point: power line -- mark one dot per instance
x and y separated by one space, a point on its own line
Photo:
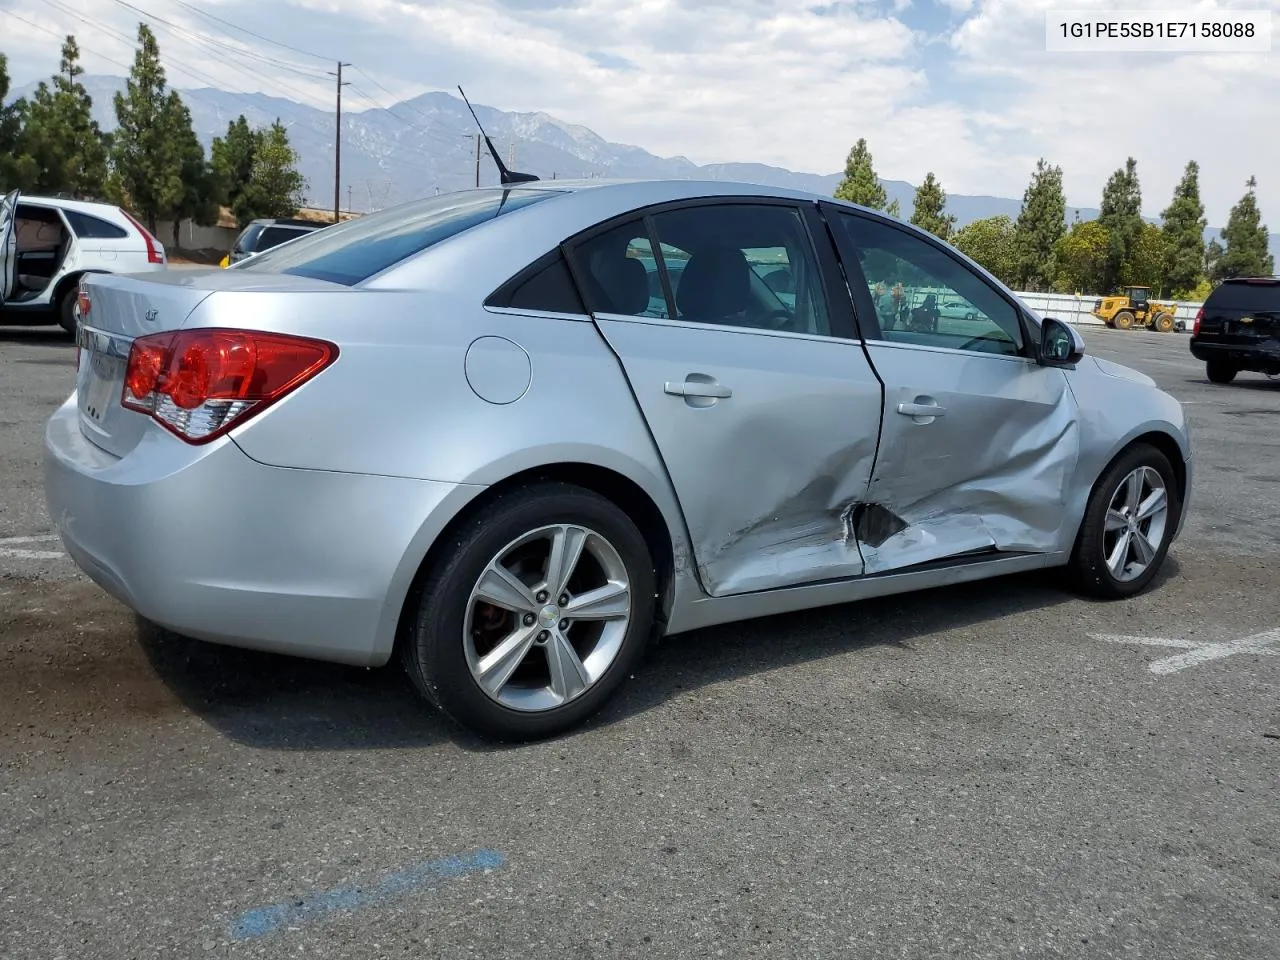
274 43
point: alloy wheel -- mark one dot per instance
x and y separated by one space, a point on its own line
1137 518
547 617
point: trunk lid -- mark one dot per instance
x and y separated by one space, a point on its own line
1242 312
122 308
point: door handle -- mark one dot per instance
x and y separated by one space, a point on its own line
697 388
921 410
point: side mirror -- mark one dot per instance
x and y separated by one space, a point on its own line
1060 344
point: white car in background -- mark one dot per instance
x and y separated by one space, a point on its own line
47 244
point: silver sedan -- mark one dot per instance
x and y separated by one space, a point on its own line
510 435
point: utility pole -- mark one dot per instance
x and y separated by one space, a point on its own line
477 159
349 202
337 144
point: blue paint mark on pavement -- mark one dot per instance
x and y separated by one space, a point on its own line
263 920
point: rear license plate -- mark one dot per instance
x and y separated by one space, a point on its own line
103 388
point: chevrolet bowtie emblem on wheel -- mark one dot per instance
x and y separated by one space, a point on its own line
151 315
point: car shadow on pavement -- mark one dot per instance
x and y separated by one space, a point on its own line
276 702
36 337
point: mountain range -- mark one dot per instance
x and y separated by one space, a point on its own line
428 144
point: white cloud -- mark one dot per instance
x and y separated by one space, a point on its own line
791 82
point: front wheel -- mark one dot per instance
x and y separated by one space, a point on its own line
1163 323
1123 320
1128 525
539 609
1219 371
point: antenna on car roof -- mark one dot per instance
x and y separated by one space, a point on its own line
506 176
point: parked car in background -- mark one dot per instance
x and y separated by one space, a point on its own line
466 432
47 244
264 234
1238 329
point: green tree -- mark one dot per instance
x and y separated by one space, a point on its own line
894 209
1148 259
1246 253
17 168
929 212
1121 214
860 184
233 157
990 242
61 134
1080 257
189 188
1183 223
141 177
1041 224
1213 260
279 185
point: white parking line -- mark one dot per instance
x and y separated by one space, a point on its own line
23 553
1197 653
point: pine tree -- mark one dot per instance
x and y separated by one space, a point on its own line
1183 223
233 157
1246 238
894 209
929 211
17 169
1121 214
1041 224
275 174
1213 260
141 177
860 184
61 134
188 190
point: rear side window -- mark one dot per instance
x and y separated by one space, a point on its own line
244 242
544 285
351 252
274 236
1245 295
87 227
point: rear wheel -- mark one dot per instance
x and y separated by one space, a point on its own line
1163 323
67 309
1128 525
540 608
1219 371
1123 320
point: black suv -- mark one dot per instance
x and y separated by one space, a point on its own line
1238 328
264 234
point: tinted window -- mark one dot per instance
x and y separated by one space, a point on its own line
93 228
546 285
621 272
354 251
735 264
274 236
244 242
1240 295
922 295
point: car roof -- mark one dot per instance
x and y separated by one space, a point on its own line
95 207
286 222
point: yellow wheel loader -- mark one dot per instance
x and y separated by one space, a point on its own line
1134 308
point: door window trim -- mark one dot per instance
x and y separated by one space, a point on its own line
864 308
839 309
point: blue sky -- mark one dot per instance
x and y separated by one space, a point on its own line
963 88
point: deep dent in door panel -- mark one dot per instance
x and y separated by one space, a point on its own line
808 532
1020 507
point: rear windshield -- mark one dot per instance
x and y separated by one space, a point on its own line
356 250
244 242
1240 295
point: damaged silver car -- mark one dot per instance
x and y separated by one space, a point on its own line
509 435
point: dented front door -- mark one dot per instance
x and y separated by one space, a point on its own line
8 245
768 435
979 441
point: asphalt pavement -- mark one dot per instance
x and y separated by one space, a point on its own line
996 770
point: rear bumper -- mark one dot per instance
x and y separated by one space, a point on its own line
1261 357
216 546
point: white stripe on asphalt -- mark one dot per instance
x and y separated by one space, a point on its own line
22 553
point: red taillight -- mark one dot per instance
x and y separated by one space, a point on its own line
153 247
201 383
1195 330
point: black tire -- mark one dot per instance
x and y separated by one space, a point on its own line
1163 323
1219 371
1122 320
1088 568
434 654
67 309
